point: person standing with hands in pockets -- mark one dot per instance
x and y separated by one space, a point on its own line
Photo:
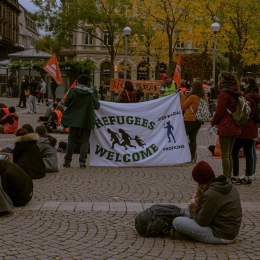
79 116
227 128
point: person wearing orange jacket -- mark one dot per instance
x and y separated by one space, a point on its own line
3 111
9 124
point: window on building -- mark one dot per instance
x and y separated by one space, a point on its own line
88 37
180 45
107 38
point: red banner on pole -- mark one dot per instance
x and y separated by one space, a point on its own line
52 68
177 73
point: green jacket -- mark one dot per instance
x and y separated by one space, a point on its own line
79 107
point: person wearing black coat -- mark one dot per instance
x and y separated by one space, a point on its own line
16 183
24 86
27 155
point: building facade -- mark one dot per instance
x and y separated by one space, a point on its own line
85 47
9 28
18 31
28 30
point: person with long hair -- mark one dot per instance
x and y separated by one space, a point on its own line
249 132
128 95
192 125
214 216
227 128
48 151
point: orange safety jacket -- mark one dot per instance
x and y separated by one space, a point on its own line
59 115
6 110
11 129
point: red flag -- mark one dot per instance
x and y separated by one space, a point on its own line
74 84
177 72
52 68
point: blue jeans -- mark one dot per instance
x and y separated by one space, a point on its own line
10 92
74 132
189 227
32 103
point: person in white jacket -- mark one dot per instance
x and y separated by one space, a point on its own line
42 91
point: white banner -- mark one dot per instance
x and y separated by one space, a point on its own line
143 134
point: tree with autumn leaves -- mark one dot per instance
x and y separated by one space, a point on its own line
159 25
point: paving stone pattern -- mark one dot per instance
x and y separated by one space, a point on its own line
89 213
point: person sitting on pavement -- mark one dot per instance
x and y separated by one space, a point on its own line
16 183
9 124
29 128
214 216
3 111
47 144
49 110
27 155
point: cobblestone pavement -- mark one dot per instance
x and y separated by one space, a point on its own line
89 213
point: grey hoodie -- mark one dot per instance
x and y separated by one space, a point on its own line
49 109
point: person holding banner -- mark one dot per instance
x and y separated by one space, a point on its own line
79 116
192 125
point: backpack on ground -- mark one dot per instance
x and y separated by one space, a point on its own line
156 220
242 113
202 114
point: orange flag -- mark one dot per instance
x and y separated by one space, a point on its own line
52 68
177 72
74 84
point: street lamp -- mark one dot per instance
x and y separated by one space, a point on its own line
127 32
215 27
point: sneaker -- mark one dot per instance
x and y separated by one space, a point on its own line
29 112
245 181
66 165
235 180
252 177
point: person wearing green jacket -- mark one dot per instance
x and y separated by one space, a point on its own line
79 116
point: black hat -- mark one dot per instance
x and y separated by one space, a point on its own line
83 79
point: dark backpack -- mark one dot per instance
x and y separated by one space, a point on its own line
156 220
242 113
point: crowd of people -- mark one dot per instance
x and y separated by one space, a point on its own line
208 219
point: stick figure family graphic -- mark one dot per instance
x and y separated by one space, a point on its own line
125 138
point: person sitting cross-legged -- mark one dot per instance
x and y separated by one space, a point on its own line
214 215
